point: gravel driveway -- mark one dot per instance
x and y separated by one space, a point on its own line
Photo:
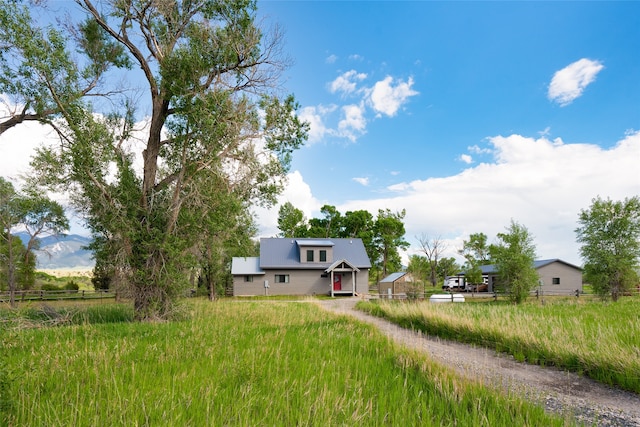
591 403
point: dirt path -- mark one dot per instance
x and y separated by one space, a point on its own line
591 402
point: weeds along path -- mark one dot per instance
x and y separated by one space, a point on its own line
561 392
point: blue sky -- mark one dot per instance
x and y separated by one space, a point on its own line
466 114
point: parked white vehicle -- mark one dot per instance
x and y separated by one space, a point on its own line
453 282
458 283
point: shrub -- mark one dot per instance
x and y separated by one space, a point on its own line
71 286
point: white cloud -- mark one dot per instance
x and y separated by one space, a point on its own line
315 116
569 83
387 99
298 193
18 144
465 158
361 180
354 123
539 183
346 82
478 150
331 59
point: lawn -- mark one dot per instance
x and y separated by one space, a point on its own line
595 338
233 363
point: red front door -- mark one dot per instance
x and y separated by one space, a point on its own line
337 282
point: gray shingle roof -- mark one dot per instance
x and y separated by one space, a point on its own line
283 252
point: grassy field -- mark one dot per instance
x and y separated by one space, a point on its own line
595 338
61 278
232 363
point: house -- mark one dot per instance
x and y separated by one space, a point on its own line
396 283
303 266
556 276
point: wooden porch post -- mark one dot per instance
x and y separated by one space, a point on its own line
353 282
331 284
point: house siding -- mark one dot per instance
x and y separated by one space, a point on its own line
316 255
301 282
570 278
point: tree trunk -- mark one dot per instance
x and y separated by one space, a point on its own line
11 270
150 154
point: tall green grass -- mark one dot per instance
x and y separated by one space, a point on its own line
240 363
600 340
62 313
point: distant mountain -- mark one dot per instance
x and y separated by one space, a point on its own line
62 252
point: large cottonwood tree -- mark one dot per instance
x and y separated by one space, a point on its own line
217 136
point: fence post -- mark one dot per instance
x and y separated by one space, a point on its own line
495 296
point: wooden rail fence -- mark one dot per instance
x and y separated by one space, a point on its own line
39 295
495 295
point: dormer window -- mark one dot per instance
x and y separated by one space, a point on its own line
315 250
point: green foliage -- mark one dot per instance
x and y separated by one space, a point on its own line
71 286
448 266
23 264
476 254
291 221
102 277
329 226
39 216
419 267
610 235
514 256
388 238
473 274
476 250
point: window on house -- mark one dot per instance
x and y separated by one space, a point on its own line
309 255
555 281
282 278
248 278
323 256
